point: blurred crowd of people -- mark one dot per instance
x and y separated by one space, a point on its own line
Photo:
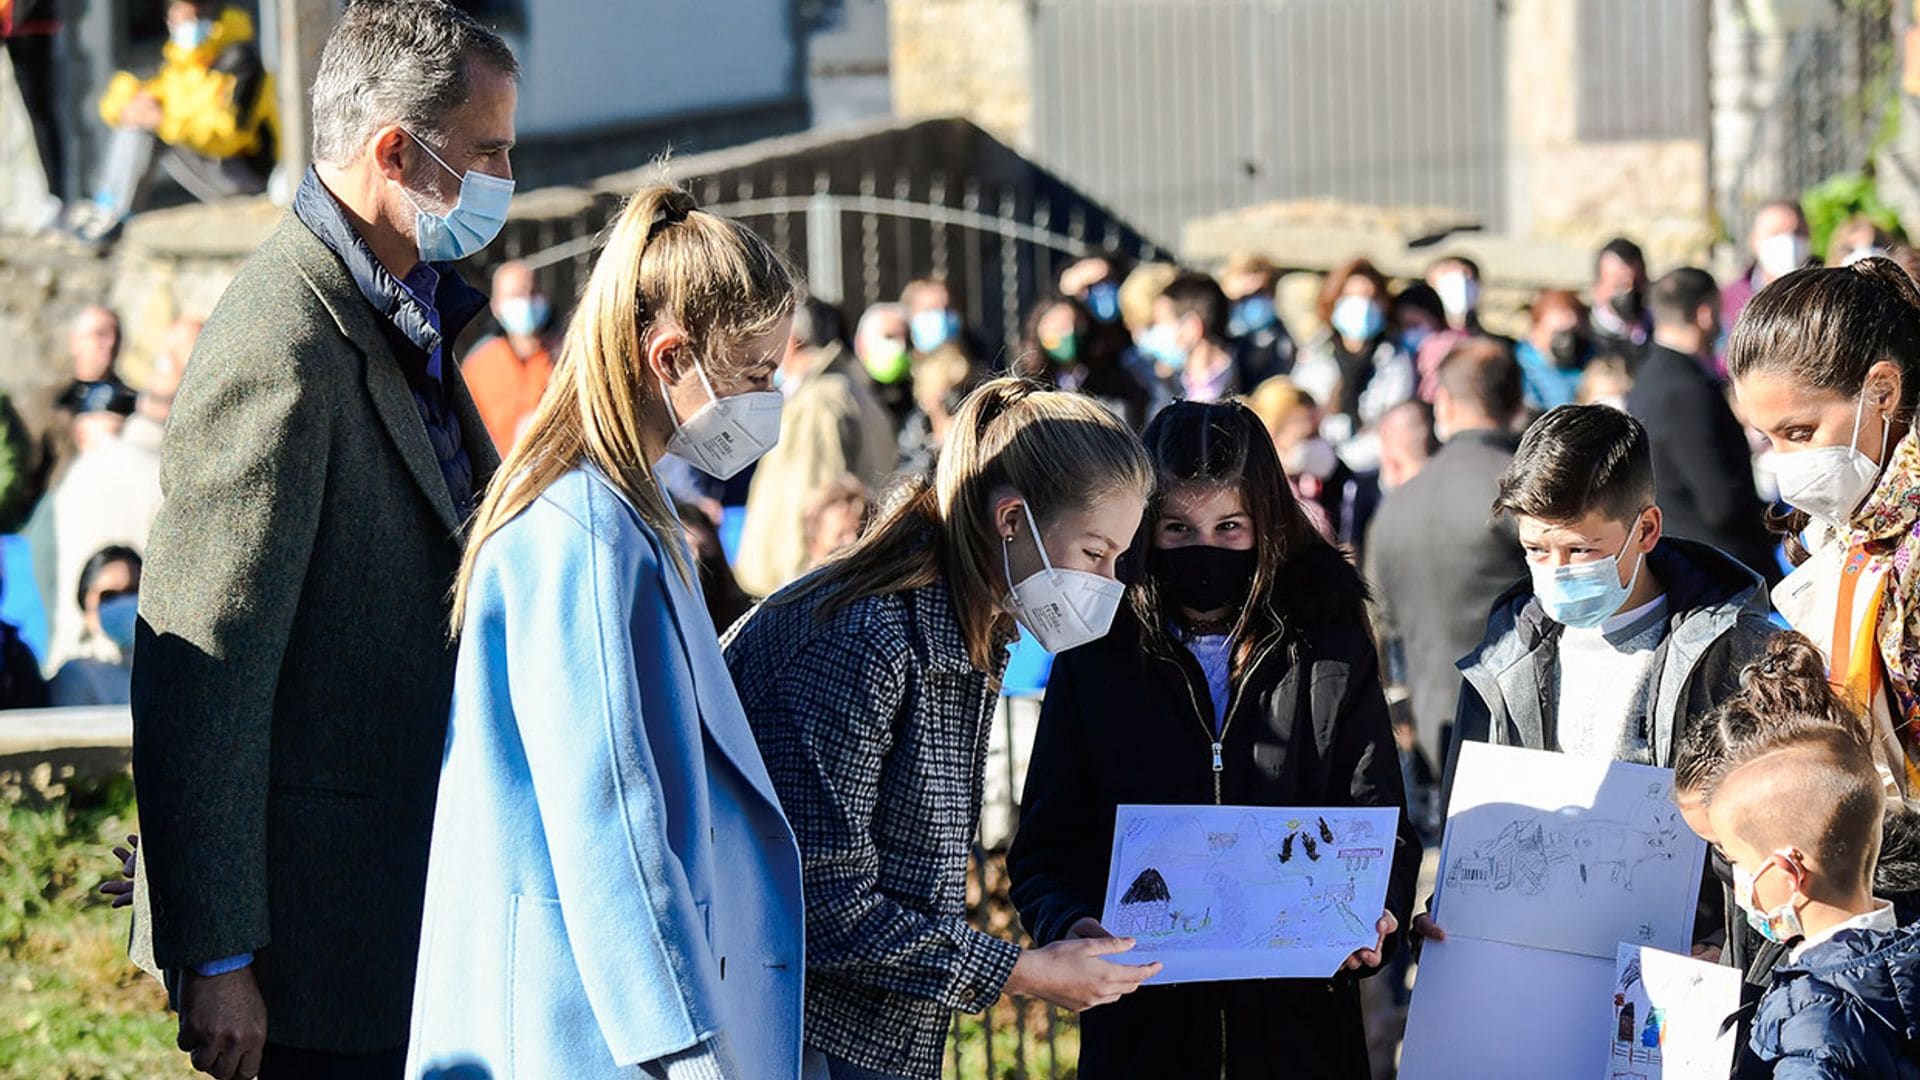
1393 416
1390 381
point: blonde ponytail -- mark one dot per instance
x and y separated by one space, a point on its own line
665 263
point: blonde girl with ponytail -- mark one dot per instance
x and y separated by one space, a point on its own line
870 685
612 884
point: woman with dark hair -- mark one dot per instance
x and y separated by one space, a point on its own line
1356 367
1242 673
1826 363
109 599
1065 346
1555 352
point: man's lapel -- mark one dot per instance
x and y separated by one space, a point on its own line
392 398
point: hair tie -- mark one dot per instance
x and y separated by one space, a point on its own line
673 209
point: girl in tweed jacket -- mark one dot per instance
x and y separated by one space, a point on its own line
869 685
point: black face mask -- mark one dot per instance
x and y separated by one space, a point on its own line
1566 350
1204 578
1628 306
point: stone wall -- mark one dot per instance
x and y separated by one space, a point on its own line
172 263
971 58
1580 194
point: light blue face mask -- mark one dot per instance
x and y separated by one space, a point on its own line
1251 315
1584 595
523 315
933 328
1103 301
118 617
191 34
1161 343
472 223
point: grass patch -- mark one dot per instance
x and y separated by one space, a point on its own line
72 1006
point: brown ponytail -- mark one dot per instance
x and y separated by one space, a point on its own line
1784 698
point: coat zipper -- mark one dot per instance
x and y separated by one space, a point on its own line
1217 742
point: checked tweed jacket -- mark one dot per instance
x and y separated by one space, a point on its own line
873 725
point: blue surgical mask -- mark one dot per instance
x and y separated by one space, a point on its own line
1583 595
523 315
1414 337
118 616
191 35
1161 343
1357 318
472 223
1251 314
933 328
1103 301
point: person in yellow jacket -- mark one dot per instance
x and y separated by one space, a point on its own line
209 117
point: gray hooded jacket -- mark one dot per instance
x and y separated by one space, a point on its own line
1717 621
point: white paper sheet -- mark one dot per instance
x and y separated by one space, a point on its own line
1668 1011
1569 853
1483 1010
1248 892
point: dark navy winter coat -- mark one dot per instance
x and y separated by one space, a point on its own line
1848 1009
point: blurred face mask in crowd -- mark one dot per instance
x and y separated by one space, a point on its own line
727 434
887 359
119 614
1358 318
1103 300
1782 253
476 218
1251 314
1162 345
1459 294
933 328
1582 595
1062 609
1830 482
1313 457
191 33
1566 350
1062 348
524 315
1627 306
1777 924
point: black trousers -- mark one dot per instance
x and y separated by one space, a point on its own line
280 1062
32 59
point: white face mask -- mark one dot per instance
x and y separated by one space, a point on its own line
727 434
1782 253
1061 608
1830 482
1459 294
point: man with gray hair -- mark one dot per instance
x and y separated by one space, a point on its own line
293 672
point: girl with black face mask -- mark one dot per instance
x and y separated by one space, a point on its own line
1241 672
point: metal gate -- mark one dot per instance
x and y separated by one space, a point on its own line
864 215
1171 109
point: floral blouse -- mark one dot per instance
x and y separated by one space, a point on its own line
1887 527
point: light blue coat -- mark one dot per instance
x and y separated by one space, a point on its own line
611 880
